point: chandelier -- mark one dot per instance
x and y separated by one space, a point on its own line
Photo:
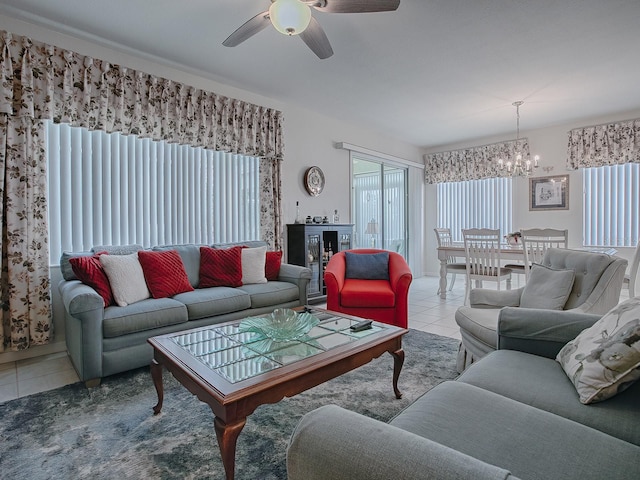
518 166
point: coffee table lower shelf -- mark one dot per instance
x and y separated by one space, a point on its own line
231 403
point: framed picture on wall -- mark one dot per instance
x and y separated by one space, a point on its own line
549 193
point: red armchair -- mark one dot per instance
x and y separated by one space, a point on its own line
381 300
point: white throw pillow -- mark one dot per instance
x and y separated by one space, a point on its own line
126 278
253 261
605 358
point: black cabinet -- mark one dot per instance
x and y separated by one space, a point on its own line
311 245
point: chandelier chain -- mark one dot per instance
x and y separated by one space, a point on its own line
517 105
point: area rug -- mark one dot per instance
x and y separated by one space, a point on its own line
109 432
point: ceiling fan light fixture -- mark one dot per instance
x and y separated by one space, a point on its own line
290 17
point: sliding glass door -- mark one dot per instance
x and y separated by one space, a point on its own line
379 205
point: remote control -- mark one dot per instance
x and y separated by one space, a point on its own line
358 327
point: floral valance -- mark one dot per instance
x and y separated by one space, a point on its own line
606 144
472 163
46 82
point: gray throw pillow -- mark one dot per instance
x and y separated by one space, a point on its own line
547 288
367 266
65 266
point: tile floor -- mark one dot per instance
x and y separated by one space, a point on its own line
427 312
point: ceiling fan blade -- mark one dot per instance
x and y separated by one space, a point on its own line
248 29
317 40
355 6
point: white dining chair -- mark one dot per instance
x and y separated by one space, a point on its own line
482 251
631 277
536 241
444 238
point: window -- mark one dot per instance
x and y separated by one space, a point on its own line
483 203
611 205
113 189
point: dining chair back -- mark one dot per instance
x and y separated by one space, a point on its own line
443 235
631 277
536 241
482 251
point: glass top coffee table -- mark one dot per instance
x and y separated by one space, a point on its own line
234 371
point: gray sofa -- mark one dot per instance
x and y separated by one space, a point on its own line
513 414
103 341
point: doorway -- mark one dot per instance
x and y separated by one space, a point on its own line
379 204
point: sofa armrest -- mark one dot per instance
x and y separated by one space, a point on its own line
84 314
79 298
487 298
334 280
297 275
400 275
332 443
540 332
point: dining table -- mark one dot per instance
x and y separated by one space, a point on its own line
507 252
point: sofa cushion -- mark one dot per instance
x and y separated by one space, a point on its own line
249 243
253 265
126 278
147 314
604 359
371 266
527 441
547 288
208 302
220 267
118 249
89 271
541 383
190 255
272 264
164 273
272 293
367 293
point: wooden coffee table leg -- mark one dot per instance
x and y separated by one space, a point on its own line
227 435
398 361
156 375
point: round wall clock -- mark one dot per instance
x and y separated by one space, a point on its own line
314 181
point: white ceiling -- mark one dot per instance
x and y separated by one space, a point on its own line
431 73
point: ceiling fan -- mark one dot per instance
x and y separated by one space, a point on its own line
293 17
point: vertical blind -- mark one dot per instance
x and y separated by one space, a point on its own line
113 189
373 190
395 208
612 205
483 203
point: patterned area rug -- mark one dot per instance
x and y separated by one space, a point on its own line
110 432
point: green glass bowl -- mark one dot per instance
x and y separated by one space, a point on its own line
283 325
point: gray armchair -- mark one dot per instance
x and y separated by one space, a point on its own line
595 289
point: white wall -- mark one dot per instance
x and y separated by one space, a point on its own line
309 140
551 144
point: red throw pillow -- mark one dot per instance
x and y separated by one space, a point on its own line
272 265
164 273
220 267
90 272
